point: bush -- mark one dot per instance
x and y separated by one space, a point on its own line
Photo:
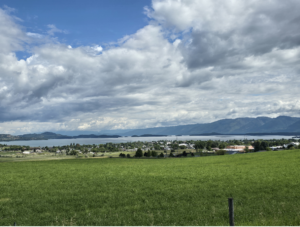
192 154
122 155
268 149
72 152
171 155
220 152
161 155
128 156
184 154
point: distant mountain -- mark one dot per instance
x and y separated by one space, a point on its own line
281 125
261 125
49 135
102 132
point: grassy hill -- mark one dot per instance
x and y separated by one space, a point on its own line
174 191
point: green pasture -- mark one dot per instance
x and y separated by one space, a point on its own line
265 187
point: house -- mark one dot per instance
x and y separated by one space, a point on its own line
238 148
274 148
295 144
34 149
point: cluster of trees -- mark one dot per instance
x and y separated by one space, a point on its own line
124 155
15 148
260 145
153 153
139 153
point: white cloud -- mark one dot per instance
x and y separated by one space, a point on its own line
97 48
53 29
11 35
196 61
34 35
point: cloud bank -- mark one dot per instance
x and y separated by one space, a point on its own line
195 62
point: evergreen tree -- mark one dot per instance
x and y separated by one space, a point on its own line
256 145
139 153
154 154
148 154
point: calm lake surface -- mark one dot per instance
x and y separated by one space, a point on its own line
62 142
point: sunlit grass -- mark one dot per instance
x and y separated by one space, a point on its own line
173 191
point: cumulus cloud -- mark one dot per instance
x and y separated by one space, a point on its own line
196 62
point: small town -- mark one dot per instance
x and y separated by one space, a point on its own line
162 148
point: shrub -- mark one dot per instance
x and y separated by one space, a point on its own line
192 154
184 154
72 152
220 152
171 155
268 149
128 156
161 155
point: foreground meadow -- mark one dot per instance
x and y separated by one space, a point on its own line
173 191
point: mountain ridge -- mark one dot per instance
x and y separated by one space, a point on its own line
281 125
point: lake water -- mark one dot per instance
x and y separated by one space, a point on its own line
62 142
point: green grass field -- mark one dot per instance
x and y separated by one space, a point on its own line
173 191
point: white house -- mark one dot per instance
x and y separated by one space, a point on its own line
292 143
276 147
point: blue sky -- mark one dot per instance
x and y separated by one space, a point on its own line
116 65
84 22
